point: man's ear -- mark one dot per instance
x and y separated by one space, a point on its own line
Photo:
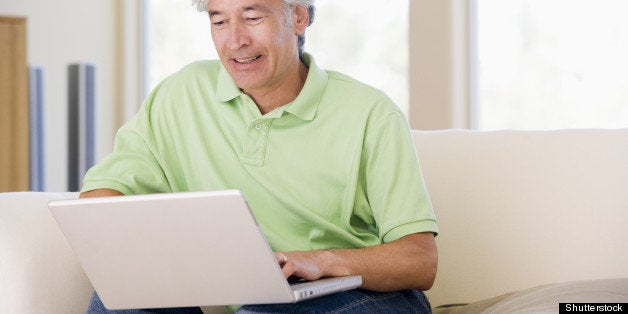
301 19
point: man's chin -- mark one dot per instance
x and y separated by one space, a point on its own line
246 82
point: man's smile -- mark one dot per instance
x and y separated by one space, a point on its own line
246 60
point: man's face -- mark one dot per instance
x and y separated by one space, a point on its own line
255 42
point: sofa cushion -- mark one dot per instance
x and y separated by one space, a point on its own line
546 298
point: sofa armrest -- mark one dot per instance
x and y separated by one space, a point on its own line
38 270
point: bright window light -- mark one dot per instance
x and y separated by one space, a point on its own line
549 64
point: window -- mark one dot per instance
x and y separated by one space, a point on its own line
176 35
365 39
551 64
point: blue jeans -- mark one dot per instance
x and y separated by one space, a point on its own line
352 301
96 307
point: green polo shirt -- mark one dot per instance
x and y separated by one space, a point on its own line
335 168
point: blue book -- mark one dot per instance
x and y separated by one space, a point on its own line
37 153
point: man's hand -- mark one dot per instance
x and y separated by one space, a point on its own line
306 265
407 263
100 193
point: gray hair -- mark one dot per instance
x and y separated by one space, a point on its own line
201 6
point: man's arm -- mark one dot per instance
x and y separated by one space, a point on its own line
407 263
100 193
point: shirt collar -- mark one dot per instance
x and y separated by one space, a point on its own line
226 89
306 103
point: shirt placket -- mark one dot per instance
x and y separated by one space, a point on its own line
256 141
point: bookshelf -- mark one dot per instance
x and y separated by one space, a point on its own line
14 105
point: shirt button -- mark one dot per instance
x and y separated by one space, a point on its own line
258 126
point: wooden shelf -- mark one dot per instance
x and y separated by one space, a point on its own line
14 114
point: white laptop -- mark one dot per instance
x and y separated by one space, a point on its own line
179 250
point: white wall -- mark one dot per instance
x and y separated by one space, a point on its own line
62 32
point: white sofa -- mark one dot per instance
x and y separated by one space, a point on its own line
540 213
527 220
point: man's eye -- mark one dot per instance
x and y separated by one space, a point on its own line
218 23
253 20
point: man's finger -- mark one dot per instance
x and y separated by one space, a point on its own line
282 259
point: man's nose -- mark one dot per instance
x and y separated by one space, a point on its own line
238 36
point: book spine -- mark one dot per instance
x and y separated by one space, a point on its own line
81 120
37 140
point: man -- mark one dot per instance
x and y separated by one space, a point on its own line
327 163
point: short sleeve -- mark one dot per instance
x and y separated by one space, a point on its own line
133 167
394 184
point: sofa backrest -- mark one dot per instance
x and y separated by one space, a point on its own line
38 271
518 209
